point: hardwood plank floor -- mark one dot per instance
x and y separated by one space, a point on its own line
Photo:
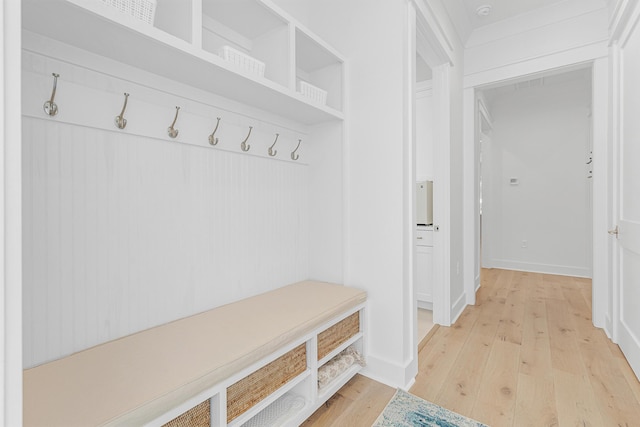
525 355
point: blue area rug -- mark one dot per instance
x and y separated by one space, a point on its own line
407 410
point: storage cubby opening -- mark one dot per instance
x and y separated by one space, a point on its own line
248 27
283 409
199 415
175 18
319 67
338 365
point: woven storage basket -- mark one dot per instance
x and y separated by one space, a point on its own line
198 416
332 337
250 390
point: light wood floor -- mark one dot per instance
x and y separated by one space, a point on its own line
525 355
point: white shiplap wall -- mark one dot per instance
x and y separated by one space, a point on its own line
124 231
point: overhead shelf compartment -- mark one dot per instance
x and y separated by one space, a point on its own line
186 47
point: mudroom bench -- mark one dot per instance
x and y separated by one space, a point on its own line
271 359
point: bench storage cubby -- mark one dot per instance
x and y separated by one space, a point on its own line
219 368
250 390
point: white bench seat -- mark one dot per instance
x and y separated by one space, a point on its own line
137 378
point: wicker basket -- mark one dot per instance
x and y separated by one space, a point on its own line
331 338
198 416
142 10
250 390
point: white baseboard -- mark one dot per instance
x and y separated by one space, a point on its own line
458 307
426 305
561 270
630 346
477 283
389 373
608 327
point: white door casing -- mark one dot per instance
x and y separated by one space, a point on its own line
627 251
11 216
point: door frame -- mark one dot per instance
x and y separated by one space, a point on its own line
11 216
624 22
426 38
596 57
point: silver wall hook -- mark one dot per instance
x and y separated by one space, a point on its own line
212 138
120 121
50 107
243 145
295 156
171 130
273 152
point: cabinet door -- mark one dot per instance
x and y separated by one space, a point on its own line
424 276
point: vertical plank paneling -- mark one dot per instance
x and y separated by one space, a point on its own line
123 233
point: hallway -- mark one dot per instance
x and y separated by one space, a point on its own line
525 355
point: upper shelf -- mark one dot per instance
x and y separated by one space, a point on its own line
183 45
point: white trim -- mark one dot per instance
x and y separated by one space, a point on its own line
424 89
458 308
442 197
469 213
561 270
629 341
410 311
614 186
389 373
601 244
484 111
11 217
437 48
632 17
623 20
538 64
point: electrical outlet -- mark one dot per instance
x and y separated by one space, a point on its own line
524 243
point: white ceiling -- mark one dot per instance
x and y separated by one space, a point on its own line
501 9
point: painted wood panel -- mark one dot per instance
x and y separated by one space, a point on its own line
126 230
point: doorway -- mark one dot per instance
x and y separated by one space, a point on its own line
534 205
425 173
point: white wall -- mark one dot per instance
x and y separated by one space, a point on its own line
125 230
376 195
563 26
374 166
540 137
424 133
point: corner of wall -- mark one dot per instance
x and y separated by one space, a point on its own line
390 373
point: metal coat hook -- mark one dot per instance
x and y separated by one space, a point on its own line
50 107
121 122
212 138
273 152
243 145
295 156
171 130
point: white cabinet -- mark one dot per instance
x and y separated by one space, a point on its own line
424 268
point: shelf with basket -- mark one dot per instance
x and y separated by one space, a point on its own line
249 35
202 43
319 70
